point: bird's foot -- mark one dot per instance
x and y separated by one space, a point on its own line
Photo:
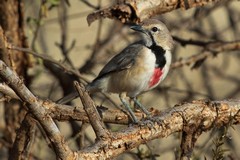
155 120
150 122
146 123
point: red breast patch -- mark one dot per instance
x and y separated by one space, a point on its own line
155 77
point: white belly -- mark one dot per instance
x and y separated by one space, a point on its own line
134 80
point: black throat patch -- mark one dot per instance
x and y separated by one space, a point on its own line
159 53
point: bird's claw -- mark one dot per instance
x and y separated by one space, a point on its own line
148 123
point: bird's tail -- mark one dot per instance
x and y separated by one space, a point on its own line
68 98
91 88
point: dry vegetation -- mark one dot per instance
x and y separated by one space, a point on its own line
46 45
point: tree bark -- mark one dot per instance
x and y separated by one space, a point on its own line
12 23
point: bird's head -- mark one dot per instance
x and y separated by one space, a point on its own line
155 33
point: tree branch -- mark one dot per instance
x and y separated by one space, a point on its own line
47 58
201 115
25 135
210 49
135 11
35 106
94 118
7 91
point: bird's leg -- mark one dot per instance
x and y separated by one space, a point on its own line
149 121
134 118
141 106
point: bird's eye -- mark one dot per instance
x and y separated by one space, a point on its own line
154 29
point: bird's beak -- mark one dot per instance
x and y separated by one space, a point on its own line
138 28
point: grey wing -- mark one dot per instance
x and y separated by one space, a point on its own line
123 60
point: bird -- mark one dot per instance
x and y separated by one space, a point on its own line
138 68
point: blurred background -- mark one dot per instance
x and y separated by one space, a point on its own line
61 31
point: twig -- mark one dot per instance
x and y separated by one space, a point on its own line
63 19
40 17
211 49
49 59
90 5
6 90
94 118
184 42
66 113
190 135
